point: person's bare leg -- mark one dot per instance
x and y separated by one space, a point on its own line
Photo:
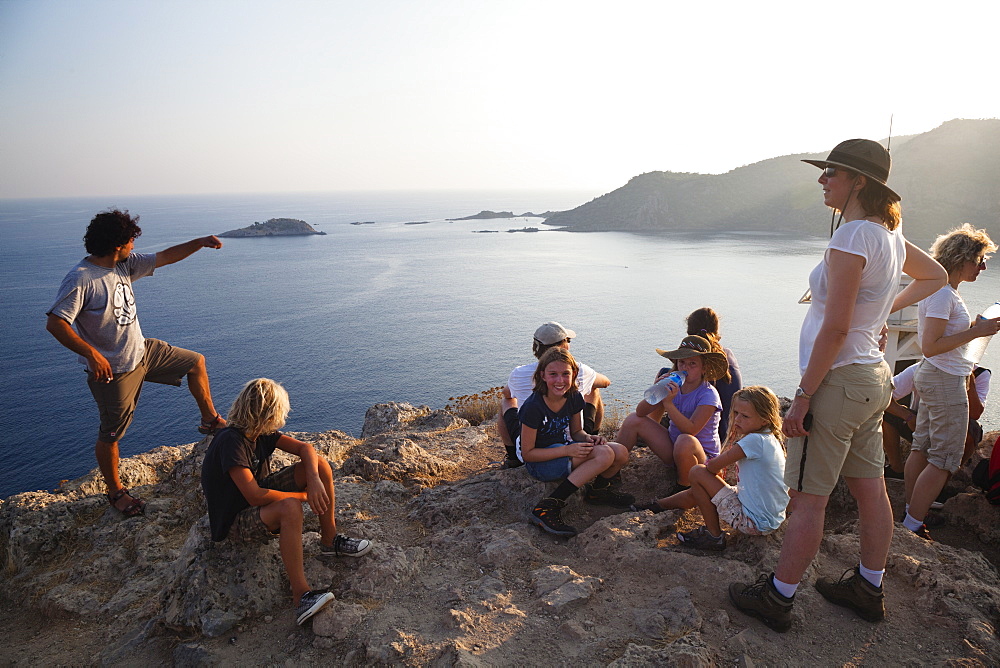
201 391
807 513
600 459
915 465
874 520
286 516
926 489
705 485
890 445
688 453
328 519
107 462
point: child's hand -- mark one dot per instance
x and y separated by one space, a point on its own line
579 449
597 439
317 497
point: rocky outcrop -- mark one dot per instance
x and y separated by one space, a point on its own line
274 227
458 577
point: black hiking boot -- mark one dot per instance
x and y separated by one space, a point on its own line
854 592
607 496
548 515
763 601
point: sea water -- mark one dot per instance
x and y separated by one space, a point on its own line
386 311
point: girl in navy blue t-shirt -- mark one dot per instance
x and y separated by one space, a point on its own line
553 444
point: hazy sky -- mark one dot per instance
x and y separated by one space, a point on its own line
133 97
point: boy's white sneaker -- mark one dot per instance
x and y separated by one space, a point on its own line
345 546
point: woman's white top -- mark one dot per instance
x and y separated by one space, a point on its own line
946 304
884 252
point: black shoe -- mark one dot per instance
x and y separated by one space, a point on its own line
701 539
934 520
607 496
763 601
924 533
854 592
511 462
548 515
890 473
652 506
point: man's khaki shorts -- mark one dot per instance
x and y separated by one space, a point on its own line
162 363
846 433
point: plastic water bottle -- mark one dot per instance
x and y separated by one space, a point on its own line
659 390
975 348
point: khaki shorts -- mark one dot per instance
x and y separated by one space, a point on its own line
248 527
846 433
942 416
162 363
731 511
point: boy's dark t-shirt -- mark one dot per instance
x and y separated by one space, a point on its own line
231 448
551 426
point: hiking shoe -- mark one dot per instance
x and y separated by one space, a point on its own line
344 546
511 462
311 603
934 520
548 515
702 539
607 496
924 533
892 475
763 601
854 592
652 506
616 480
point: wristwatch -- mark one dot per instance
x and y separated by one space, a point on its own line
799 392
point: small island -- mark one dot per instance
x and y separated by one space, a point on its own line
275 227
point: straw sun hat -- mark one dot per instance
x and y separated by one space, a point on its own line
716 364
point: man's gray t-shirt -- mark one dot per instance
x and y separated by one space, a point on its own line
100 302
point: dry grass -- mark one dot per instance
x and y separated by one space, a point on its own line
477 408
615 412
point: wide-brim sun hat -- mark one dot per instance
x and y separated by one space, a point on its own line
863 156
716 364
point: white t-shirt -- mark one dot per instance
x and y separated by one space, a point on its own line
522 383
947 304
884 253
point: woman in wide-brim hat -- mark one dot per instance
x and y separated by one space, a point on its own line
833 422
693 409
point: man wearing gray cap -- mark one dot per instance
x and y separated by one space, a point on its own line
521 383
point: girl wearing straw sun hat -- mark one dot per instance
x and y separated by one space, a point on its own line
833 422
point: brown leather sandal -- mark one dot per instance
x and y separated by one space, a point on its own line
209 428
136 507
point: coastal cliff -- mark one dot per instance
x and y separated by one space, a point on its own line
457 577
275 227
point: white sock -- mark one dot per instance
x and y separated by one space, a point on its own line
912 524
873 577
785 589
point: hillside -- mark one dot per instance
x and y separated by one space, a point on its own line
946 176
458 577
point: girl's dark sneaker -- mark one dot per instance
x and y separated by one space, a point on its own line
924 533
854 592
607 496
548 515
653 506
702 539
